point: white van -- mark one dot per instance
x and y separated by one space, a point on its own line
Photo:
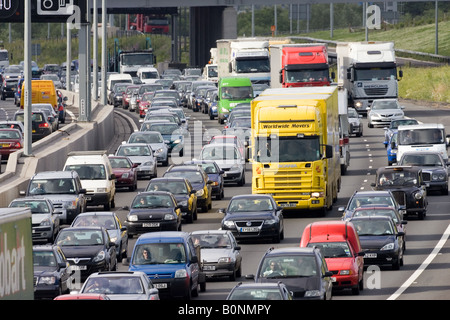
422 137
117 78
148 74
96 175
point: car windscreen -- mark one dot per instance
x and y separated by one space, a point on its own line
88 171
332 249
159 253
83 237
192 176
287 266
52 186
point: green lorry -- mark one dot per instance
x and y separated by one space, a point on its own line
16 254
232 91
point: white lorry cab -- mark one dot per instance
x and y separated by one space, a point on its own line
148 74
422 137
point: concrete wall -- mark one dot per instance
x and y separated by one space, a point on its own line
50 153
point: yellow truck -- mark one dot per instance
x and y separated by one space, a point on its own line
42 91
295 147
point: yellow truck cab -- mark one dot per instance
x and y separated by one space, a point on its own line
295 139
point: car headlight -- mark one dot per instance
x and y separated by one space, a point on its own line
181 273
46 222
235 167
133 217
418 195
101 190
200 192
438 177
169 217
125 175
159 151
389 246
345 272
229 224
224 260
47 280
183 203
71 204
358 104
270 221
100 256
312 293
113 239
177 141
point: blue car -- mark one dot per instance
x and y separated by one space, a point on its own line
215 174
170 261
392 149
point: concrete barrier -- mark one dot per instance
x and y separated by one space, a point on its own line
50 153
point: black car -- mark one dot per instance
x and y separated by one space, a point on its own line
51 272
434 169
215 174
407 185
115 96
371 198
198 179
153 211
380 240
88 250
254 216
111 222
260 291
183 192
40 125
303 270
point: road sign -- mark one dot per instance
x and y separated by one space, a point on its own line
57 11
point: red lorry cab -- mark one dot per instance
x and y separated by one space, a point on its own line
340 245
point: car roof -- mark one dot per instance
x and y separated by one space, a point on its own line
373 192
399 169
96 213
44 247
213 231
184 167
116 274
292 250
154 192
422 126
162 236
83 228
55 174
167 179
245 196
371 218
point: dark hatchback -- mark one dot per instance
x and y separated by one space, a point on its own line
88 250
183 192
198 179
39 124
215 174
51 272
407 185
380 240
303 270
153 211
254 217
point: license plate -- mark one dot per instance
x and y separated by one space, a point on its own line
79 267
150 225
249 229
370 255
209 268
5 145
291 204
160 285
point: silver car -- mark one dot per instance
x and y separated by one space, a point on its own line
219 252
383 111
155 140
354 119
121 285
142 155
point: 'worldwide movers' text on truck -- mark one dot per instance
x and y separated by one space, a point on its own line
245 57
368 70
16 254
295 139
232 91
299 65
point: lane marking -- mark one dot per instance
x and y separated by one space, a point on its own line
423 266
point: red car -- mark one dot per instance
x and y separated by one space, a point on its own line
83 296
125 171
339 243
144 104
126 96
10 140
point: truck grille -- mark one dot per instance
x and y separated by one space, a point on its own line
376 91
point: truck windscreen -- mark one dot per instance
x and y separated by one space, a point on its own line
371 74
287 149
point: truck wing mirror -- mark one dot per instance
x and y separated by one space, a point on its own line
328 151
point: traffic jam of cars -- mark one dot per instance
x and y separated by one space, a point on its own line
168 263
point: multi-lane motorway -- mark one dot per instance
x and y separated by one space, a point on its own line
425 274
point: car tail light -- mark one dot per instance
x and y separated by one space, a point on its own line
43 125
16 145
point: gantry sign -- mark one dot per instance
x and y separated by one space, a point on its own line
56 11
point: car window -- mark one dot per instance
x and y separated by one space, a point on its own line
289 266
52 186
192 176
359 201
255 294
44 259
83 237
333 249
36 206
212 241
175 187
106 221
114 285
159 253
249 205
373 227
152 201
120 163
88 171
